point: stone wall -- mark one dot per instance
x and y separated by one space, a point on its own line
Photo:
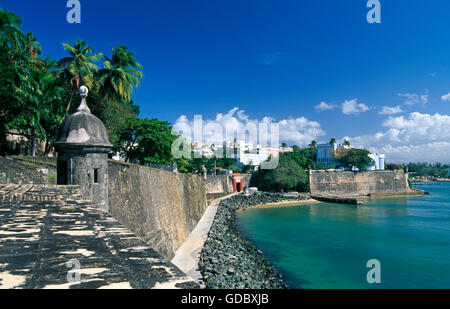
160 207
219 184
337 183
21 171
247 179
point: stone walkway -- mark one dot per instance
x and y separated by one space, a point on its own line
53 243
38 192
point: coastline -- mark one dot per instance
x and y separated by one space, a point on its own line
228 260
429 180
286 203
187 256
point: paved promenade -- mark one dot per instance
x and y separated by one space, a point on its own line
50 238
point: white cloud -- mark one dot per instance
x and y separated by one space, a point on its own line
446 97
416 137
352 107
299 131
414 98
430 152
387 110
324 106
236 122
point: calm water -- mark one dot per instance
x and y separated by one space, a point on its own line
328 245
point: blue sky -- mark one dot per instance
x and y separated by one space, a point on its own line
279 59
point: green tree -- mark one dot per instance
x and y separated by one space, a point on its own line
148 141
332 141
36 94
53 102
115 115
288 176
429 170
11 35
347 143
121 73
355 158
78 68
112 100
23 84
10 40
226 163
195 164
31 45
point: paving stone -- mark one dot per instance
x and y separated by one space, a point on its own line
39 238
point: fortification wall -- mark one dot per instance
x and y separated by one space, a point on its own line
160 207
337 183
246 180
24 171
219 184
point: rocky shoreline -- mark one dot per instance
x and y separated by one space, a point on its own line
227 260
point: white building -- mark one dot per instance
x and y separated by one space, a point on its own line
326 155
244 153
379 162
253 159
247 154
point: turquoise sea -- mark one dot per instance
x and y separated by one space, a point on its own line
328 245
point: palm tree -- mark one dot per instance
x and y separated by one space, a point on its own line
79 66
313 144
10 33
31 45
120 75
332 141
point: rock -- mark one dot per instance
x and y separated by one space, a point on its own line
227 259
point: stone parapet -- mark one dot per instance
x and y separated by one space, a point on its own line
349 183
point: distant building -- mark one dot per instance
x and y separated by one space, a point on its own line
244 153
325 154
247 154
379 162
275 152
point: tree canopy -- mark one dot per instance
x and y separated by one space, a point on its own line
429 170
28 92
147 141
37 93
355 158
288 176
78 68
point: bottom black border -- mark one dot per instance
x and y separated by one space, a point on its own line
222 298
